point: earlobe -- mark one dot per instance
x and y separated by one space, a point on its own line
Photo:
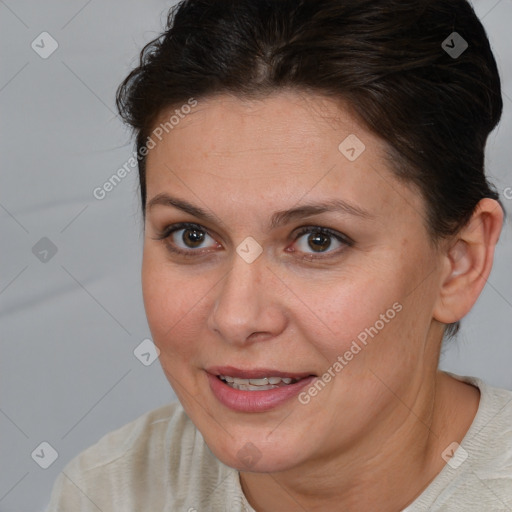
469 262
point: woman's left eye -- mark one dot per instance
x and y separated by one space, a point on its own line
320 240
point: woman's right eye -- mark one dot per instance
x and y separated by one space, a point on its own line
185 239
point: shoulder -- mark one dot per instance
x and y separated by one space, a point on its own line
478 473
146 433
151 460
489 440
486 472
494 415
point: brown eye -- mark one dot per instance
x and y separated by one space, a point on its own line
318 242
192 237
189 238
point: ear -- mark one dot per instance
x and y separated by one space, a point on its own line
468 261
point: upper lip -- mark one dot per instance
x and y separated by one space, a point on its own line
254 373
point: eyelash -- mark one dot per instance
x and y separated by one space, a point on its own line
169 230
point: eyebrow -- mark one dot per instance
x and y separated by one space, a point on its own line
278 218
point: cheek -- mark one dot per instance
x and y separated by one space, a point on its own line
366 316
342 307
173 302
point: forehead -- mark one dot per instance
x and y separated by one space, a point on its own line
283 148
289 124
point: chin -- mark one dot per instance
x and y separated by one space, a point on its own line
256 456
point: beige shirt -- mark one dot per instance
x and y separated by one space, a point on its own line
160 462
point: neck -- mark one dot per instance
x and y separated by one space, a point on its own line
387 468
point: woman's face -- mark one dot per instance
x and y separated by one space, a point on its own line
313 260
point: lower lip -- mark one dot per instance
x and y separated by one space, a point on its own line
255 401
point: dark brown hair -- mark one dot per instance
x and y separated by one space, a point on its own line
385 58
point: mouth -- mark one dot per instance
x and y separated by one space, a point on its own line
257 384
255 390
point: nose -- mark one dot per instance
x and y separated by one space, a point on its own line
246 307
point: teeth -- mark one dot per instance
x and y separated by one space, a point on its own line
249 387
256 384
259 382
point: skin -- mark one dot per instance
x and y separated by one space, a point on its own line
373 437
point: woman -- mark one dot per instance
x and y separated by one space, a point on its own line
317 220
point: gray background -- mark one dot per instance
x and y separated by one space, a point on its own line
69 325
